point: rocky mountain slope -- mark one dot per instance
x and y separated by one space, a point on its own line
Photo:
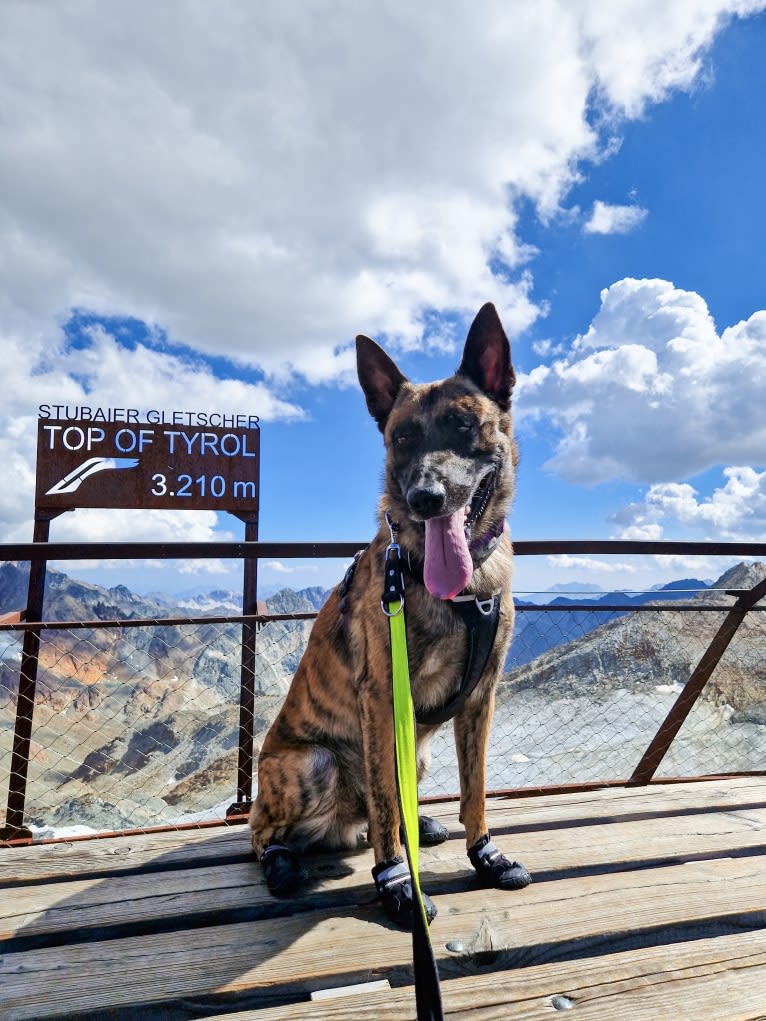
122 712
538 630
640 650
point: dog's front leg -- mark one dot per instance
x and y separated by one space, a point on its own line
391 873
377 724
472 725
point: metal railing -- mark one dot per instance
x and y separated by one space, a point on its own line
159 670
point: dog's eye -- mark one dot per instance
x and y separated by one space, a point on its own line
401 439
462 423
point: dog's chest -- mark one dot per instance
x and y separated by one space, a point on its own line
437 652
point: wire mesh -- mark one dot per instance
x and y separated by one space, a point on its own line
586 691
138 726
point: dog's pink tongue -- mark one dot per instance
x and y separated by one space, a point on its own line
448 566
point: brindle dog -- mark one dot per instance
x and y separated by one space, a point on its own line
326 770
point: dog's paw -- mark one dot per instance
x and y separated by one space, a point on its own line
282 870
494 869
394 885
430 832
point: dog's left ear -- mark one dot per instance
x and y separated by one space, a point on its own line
487 357
380 378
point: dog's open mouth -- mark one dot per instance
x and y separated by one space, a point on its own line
448 564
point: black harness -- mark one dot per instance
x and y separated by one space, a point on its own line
479 613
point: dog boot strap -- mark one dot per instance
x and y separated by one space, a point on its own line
483 851
393 882
274 849
494 869
390 872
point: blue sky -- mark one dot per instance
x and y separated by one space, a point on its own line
202 210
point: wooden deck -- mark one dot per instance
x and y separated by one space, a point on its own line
648 904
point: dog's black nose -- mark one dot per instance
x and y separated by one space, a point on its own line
427 501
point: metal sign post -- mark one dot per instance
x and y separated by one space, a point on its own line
171 464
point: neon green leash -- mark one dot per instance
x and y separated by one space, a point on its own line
427 990
404 733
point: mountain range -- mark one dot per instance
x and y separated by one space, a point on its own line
538 630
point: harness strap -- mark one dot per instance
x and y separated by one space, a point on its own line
479 613
481 618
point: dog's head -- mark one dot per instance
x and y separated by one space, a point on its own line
450 451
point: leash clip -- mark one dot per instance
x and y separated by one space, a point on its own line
393 527
393 579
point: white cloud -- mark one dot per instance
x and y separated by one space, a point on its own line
644 49
735 510
609 219
264 185
651 392
279 567
568 562
93 525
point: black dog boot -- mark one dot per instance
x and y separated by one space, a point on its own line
283 872
430 832
494 869
394 885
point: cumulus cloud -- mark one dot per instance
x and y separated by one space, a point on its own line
652 393
608 219
263 185
735 510
643 50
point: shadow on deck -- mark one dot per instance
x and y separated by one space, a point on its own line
648 903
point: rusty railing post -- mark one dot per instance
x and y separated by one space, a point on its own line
247 676
694 687
25 697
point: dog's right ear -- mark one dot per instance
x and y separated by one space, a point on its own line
380 379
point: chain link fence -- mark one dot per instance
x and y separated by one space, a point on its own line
587 707
137 725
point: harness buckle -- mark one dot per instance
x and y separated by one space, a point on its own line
484 604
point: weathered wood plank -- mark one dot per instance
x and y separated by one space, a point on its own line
118 900
62 859
330 948
618 802
190 847
204 889
721 979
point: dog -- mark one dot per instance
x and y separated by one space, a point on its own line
326 769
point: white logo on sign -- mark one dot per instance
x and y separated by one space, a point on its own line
75 478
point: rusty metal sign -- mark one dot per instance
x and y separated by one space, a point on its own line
143 465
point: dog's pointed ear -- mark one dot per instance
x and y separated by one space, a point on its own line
487 357
381 380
